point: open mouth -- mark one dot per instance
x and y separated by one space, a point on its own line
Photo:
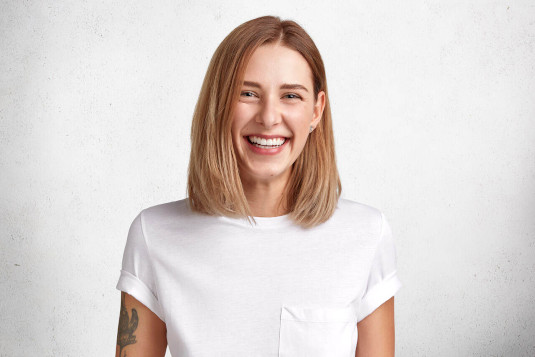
263 143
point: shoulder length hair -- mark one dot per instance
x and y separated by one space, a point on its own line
214 185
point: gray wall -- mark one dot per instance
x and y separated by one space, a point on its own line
434 115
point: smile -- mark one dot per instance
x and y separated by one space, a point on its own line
264 143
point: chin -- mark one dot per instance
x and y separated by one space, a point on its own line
265 175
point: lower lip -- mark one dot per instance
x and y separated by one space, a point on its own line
270 151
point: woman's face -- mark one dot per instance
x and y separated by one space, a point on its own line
273 116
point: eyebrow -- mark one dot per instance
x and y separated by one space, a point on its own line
284 86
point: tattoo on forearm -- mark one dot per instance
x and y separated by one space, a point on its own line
127 326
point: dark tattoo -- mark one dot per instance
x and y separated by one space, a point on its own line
127 326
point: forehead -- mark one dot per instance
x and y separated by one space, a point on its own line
278 64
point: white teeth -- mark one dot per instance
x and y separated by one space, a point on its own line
266 143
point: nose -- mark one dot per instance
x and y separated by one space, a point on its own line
269 114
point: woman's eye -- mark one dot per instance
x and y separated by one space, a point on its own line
247 94
292 96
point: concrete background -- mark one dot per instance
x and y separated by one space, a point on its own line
434 113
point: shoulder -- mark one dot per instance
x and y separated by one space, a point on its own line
357 211
166 211
172 217
360 218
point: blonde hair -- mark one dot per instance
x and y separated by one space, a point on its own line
214 185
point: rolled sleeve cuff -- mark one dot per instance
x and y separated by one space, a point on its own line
379 294
130 284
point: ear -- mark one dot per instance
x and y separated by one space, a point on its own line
319 106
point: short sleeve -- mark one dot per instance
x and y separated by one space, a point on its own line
137 276
383 282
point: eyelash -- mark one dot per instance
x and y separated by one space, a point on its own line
295 96
246 92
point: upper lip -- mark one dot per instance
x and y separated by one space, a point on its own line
268 136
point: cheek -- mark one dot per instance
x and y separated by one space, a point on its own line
299 118
242 115
301 110
237 121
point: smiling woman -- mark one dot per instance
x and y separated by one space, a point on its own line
271 122
268 76
263 258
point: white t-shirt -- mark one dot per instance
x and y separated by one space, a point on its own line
226 288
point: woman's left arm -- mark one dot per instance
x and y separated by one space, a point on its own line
376 332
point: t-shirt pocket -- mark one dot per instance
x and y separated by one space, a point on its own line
317 331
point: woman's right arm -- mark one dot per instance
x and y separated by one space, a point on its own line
141 332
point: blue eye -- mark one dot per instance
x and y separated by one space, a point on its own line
247 94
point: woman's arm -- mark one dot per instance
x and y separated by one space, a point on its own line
141 332
377 333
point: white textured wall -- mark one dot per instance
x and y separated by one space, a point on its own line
434 113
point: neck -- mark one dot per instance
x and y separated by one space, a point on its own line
266 199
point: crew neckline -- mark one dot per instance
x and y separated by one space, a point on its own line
261 222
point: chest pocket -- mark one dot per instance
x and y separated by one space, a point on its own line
317 332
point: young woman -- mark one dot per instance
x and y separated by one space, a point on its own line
263 258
